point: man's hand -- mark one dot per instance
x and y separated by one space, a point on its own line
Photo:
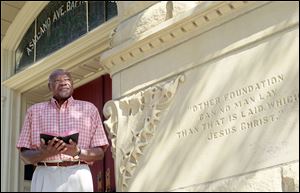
54 147
33 156
71 149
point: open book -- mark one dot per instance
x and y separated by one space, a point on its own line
47 136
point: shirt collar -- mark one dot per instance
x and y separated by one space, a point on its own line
66 104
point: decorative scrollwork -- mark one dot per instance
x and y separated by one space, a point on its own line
140 114
110 112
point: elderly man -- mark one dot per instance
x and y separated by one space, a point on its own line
62 165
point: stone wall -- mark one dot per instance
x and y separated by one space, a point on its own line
206 97
283 178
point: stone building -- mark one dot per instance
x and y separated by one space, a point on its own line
196 95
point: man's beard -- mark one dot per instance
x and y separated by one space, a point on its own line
65 94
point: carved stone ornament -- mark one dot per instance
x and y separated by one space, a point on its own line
132 122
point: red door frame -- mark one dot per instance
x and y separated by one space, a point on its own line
98 92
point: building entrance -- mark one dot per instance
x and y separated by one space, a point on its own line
99 92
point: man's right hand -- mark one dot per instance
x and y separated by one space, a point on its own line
33 156
54 147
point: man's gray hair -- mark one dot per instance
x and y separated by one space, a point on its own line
58 72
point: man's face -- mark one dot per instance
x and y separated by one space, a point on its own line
61 86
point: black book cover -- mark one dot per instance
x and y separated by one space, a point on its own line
66 138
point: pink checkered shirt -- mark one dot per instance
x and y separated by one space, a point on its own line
74 115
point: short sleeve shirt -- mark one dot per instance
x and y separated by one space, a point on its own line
73 115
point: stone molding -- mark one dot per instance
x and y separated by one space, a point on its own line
138 117
85 48
172 32
21 23
3 98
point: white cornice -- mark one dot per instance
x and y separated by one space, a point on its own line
174 31
85 48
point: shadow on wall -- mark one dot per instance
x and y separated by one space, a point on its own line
250 127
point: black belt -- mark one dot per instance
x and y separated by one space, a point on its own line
62 164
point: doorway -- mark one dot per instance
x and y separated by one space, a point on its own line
98 92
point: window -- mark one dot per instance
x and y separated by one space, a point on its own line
60 23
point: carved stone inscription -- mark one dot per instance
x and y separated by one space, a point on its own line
250 107
232 115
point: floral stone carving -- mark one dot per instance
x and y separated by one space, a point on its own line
132 122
